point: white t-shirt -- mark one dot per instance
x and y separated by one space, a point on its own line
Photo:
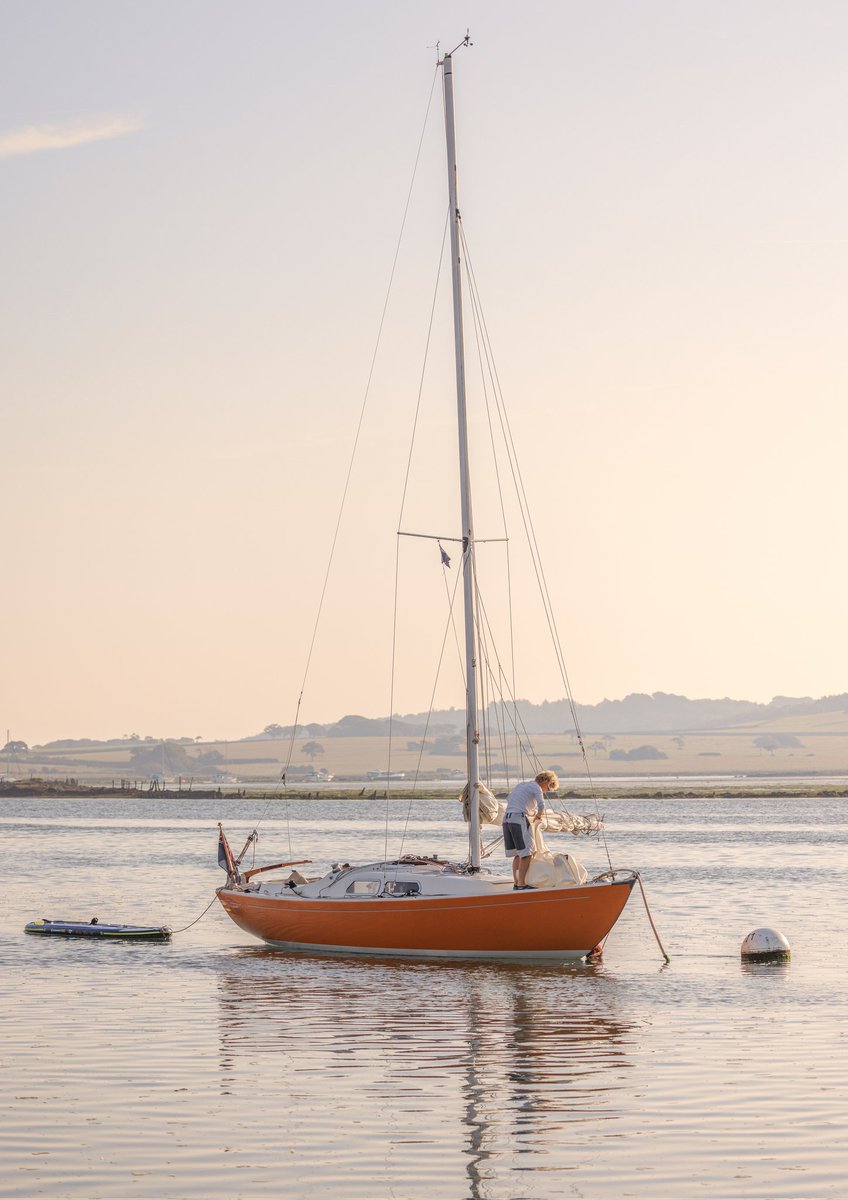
525 800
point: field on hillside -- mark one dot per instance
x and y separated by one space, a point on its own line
691 754
789 746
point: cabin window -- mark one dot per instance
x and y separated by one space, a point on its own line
402 887
363 887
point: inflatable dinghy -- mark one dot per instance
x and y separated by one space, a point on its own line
93 929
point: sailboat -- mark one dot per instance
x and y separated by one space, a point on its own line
425 906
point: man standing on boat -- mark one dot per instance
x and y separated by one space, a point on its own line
526 804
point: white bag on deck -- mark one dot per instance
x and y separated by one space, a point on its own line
547 869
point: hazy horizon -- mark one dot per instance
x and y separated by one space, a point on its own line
303 725
200 207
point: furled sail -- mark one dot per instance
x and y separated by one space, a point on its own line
492 813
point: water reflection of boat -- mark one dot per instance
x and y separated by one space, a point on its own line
417 906
517 1024
501 1053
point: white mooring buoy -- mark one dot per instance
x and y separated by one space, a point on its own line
765 944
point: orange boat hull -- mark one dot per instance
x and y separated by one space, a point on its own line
544 923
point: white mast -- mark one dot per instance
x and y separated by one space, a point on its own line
471 732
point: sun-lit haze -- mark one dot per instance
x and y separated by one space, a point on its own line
199 208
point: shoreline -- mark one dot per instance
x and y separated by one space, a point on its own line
40 789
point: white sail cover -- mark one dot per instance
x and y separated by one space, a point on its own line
548 869
492 813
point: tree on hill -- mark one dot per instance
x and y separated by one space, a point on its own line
450 744
637 754
80 743
166 757
777 741
313 748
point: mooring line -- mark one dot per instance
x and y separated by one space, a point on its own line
650 918
196 919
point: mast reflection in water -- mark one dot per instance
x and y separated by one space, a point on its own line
487 1060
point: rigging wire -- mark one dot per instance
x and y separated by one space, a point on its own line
501 727
356 439
484 704
521 749
400 521
529 528
448 624
423 371
456 640
475 320
484 352
519 726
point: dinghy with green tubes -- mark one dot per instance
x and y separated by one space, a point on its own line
93 929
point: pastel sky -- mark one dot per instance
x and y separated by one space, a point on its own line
199 209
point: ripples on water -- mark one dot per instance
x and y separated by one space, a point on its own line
214 1067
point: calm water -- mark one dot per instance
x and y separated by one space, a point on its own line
212 1067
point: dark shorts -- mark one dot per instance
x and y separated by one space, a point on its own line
518 837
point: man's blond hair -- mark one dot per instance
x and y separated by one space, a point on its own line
549 778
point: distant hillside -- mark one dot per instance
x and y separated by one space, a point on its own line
639 736
639 712
667 713
664 712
